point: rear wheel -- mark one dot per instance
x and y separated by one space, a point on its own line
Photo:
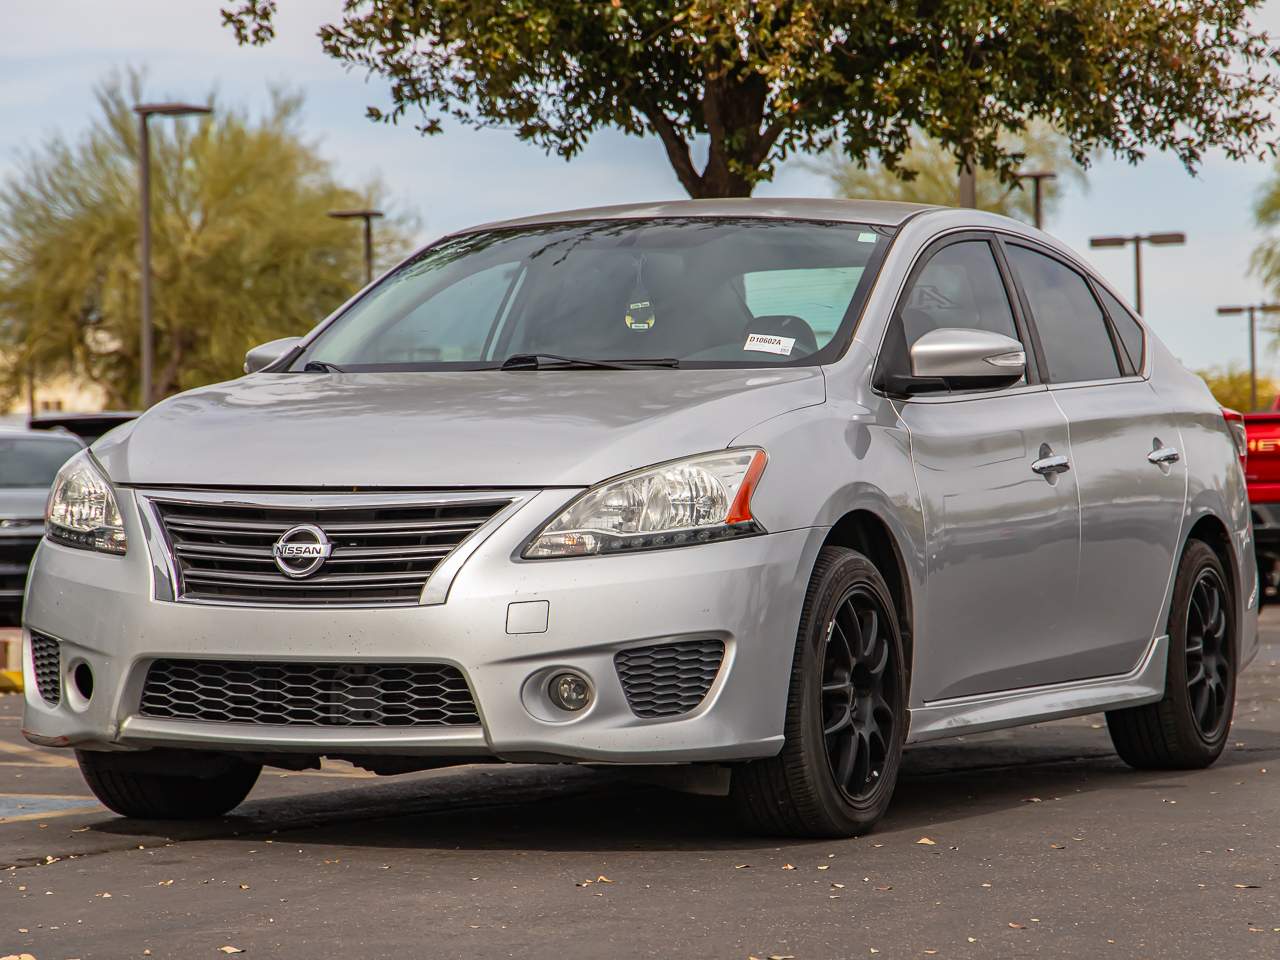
1188 728
130 791
846 711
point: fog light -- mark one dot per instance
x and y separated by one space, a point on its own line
568 691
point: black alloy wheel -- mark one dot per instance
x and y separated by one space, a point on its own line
859 694
1208 652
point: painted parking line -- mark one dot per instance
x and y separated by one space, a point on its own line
15 807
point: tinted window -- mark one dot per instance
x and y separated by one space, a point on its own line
960 286
31 462
734 292
1127 326
1073 332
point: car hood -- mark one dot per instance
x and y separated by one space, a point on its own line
24 503
475 428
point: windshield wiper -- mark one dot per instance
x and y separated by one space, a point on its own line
535 361
321 366
532 361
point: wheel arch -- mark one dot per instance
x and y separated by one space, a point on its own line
868 533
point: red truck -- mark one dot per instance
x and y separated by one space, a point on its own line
1262 471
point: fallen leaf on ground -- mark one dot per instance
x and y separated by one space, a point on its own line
885 887
230 949
925 841
1032 800
1017 926
603 879
1246 886
1057 846
787 866
742 866
825 866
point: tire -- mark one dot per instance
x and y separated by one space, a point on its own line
1188 729
796 793
147 795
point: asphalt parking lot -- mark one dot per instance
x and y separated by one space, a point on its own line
1029 843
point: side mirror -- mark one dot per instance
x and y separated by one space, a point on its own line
959 358
268 353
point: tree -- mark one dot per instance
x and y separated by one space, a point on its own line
1230 386
242 250
756 80
927 174
1265 263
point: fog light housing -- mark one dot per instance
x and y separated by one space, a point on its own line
569 692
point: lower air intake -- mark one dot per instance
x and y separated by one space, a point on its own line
309 694
669 679
46 659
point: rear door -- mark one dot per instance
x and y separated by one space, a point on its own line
1125 454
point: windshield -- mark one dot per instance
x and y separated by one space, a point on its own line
33 461
743 292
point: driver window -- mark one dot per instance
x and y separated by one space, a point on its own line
960 286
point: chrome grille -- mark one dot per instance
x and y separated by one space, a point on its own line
46 659
382 553
309 694
669 679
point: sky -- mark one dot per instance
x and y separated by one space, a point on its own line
53 53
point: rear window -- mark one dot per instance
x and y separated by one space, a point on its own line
1127 326
1073 332
32 461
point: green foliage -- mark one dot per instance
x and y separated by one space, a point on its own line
927 174
1230 386
242 249
757 80
1265 263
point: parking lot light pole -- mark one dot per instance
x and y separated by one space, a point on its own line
1252 310
1037 178
368 216
145 111
1155 239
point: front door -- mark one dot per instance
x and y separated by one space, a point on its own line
1001 515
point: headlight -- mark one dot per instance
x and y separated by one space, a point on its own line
697 500
82 508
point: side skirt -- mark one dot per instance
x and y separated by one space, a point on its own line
1012 708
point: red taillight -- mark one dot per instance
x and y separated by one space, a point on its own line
1235 424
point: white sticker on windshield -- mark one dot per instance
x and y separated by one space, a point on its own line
765 343
866 238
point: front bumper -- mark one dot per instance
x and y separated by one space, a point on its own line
747 593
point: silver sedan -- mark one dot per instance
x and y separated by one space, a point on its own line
759 491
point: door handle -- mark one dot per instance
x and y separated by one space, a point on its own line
1163 455
1050 466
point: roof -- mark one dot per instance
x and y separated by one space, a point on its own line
878 212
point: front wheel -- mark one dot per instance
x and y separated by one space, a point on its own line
1188 728
134 791
846 711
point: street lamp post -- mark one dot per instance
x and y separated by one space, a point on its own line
1037 178
368 216
1155 239
145 112
1252 310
